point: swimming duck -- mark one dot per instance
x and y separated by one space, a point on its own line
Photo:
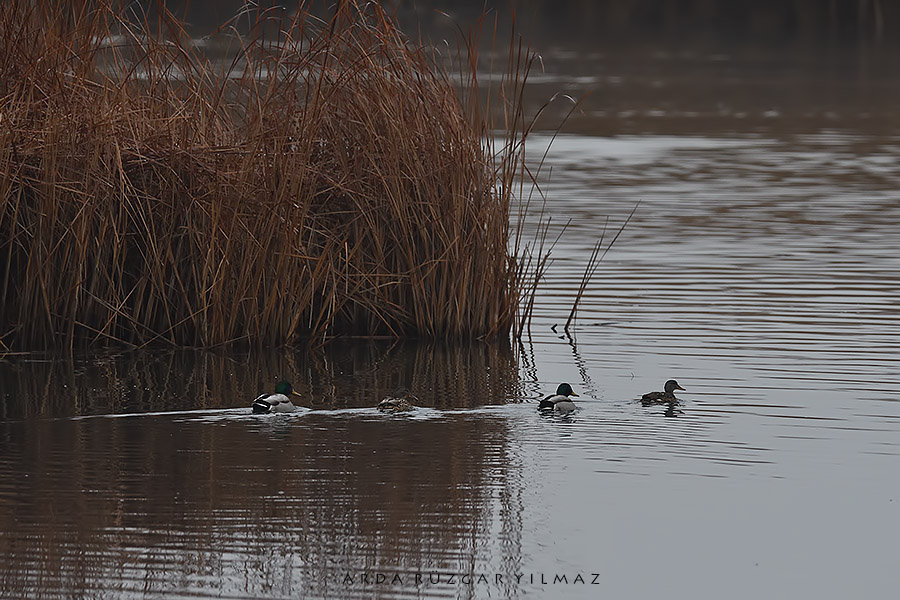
277 402
560 400
397 401
663 397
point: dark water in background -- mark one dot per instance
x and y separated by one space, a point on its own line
761 269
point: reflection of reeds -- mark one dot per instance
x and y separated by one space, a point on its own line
331 181
339 375
443 376
261 505
112 507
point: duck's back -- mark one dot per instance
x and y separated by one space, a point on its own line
550 402
387 404
267 403
557 402
565 406
547 403
391 404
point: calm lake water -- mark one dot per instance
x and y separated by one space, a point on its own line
761 269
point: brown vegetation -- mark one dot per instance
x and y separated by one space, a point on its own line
331 180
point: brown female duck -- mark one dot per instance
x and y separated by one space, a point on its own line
663 397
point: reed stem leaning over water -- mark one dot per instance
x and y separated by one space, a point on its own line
593 264
327 179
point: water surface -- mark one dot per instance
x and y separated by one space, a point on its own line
760 269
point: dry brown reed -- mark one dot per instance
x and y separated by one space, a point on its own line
330 180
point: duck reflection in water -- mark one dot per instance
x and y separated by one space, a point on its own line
673 410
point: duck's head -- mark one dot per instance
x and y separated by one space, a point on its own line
672 385
284 387
402 393
565 389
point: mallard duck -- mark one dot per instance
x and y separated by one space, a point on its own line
663 397
277 402
560 400
397 401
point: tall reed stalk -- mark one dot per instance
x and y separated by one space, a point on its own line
331 180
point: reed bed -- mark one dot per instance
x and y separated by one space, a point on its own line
331 180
